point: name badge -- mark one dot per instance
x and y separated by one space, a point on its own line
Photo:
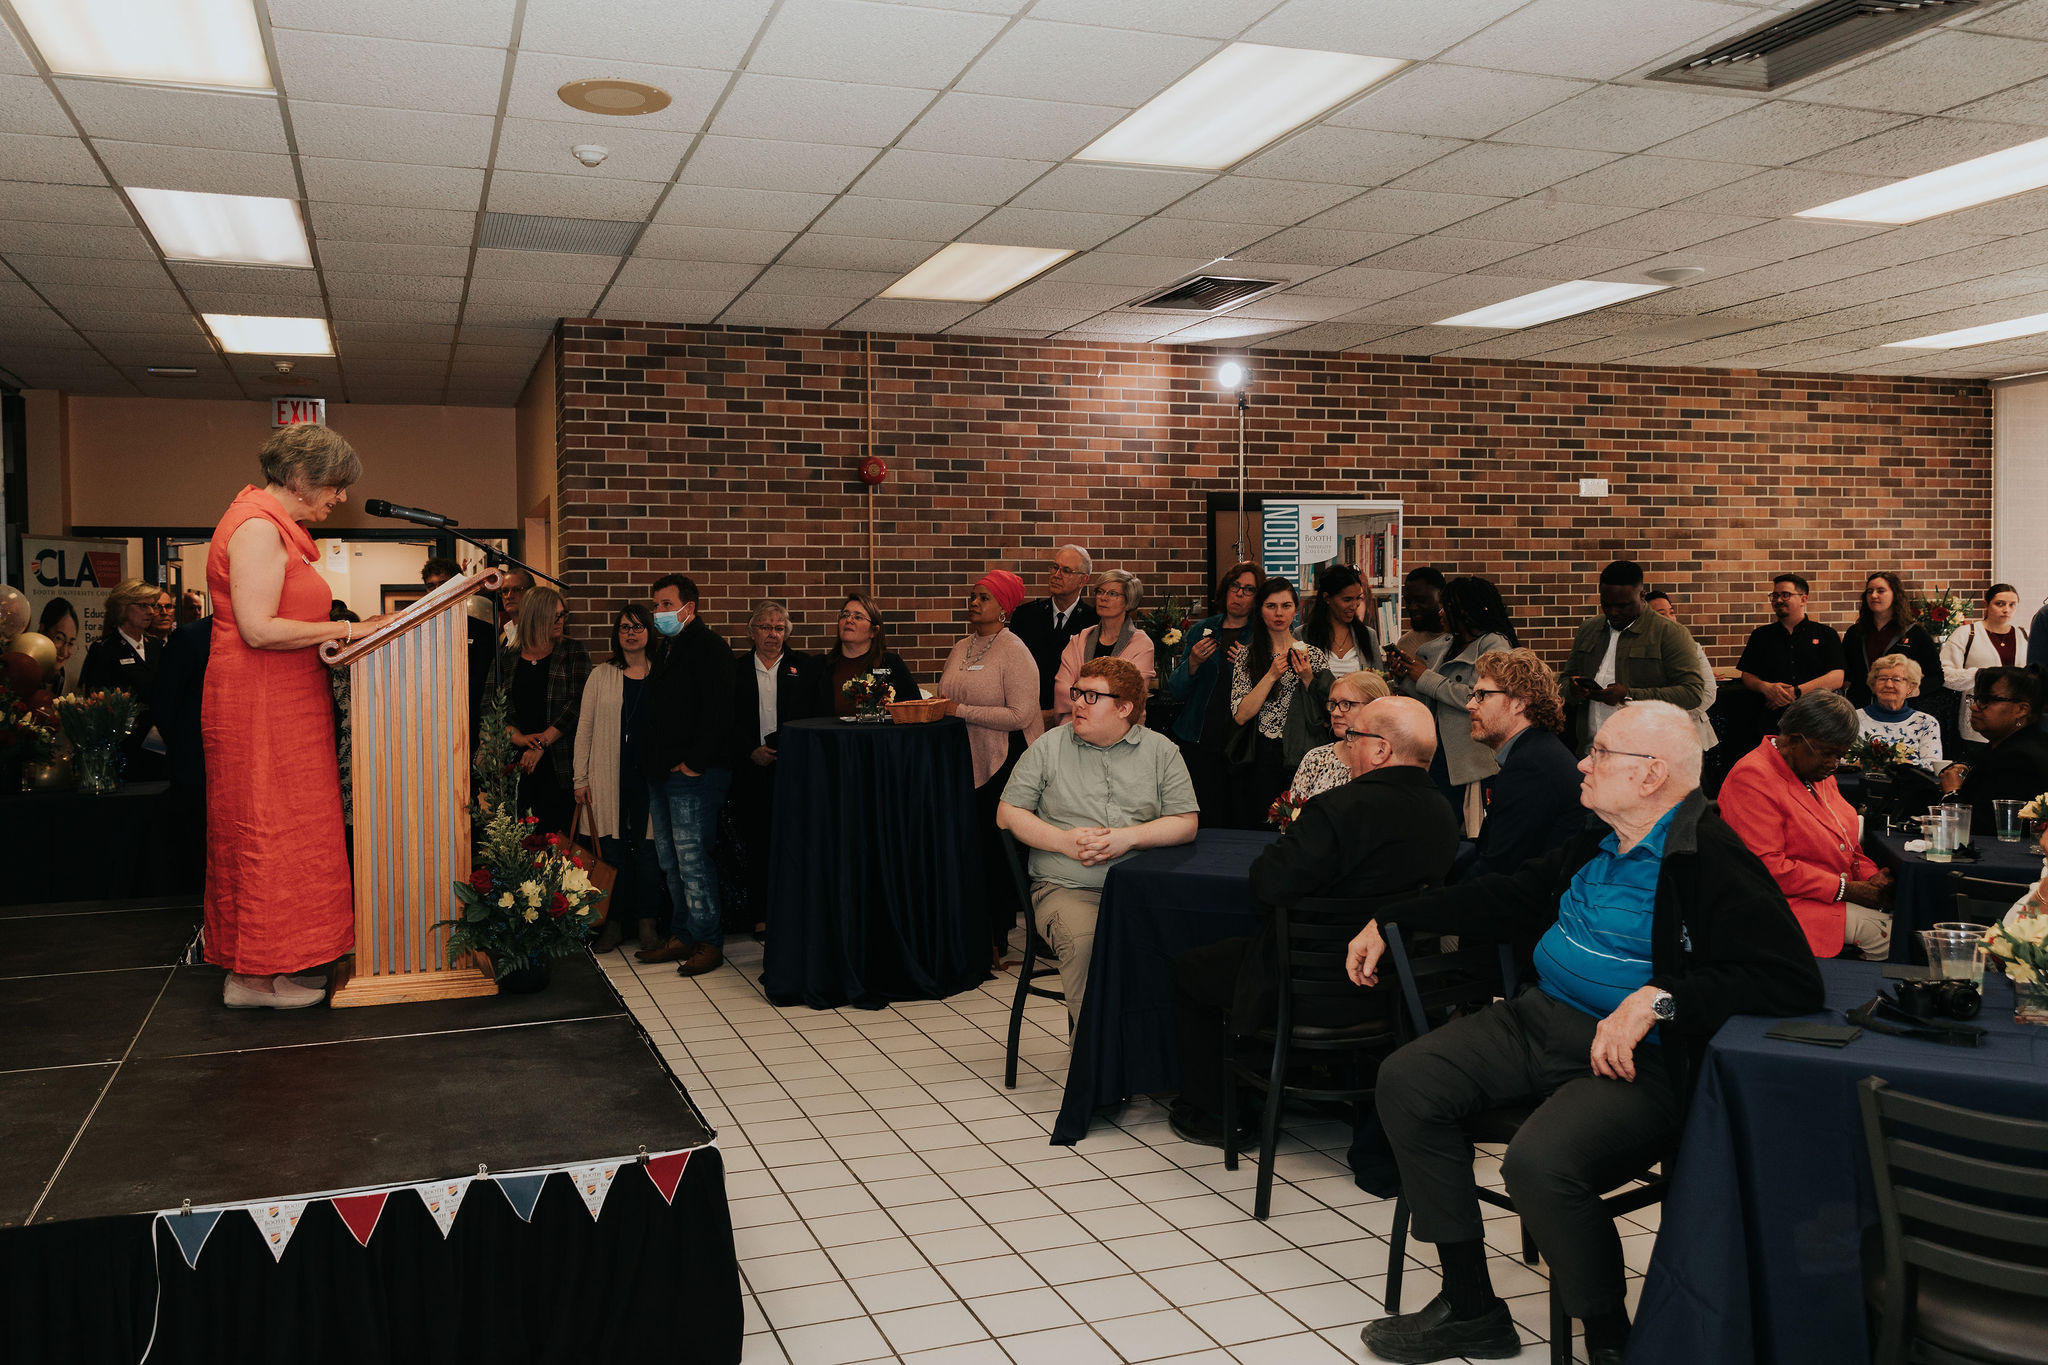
976 668
126 662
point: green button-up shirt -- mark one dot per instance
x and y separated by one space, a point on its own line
1072 784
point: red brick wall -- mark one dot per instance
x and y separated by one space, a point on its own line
731 454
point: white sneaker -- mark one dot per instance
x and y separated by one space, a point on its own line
283 995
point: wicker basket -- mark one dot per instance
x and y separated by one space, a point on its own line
921 711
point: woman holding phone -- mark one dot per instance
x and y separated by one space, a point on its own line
1279 694
1204 724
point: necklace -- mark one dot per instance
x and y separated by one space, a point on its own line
975 656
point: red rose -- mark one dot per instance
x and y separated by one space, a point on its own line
531 820
480 880
533 842
558 904
554 841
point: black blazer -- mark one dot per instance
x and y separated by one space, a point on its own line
180 682
114 663
689 704
1532 805
821 701
793 689
1914 642
1382 834
1032 623
2014 769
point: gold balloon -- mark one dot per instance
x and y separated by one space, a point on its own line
37 646
13 613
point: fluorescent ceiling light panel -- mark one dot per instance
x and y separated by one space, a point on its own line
1977 336
170 42
242 334
1976 181
224 229
969 272
1239 100
1547 305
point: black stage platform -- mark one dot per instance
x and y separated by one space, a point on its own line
126 1089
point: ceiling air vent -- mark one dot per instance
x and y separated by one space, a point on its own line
1208 294
1809 40
571 236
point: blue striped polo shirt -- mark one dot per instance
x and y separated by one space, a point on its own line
1598 952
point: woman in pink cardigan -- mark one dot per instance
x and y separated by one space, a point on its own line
1117 595
993 681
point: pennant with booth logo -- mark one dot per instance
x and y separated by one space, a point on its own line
666 1171
191 1231
594 1183
361 1212
522 1192
443 1198
277 1222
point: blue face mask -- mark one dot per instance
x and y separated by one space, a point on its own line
669 622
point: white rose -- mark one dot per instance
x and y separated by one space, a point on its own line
575 880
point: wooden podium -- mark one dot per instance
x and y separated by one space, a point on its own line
410 735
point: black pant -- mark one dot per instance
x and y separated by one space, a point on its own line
997 883
640 891
1587 1136
1260 785
752 804
545 798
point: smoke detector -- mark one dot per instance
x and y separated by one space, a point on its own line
590 154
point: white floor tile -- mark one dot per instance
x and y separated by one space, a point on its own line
922 1329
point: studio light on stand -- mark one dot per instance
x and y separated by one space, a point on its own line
1234 376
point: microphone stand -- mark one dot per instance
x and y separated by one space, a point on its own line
494 556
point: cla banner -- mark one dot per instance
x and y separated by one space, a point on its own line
79 573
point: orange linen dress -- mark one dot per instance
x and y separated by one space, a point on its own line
278 897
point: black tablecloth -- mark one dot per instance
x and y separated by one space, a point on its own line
874 888
1155 906
1922 899
1759 1257
72 847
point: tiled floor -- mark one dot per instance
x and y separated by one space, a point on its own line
893 1201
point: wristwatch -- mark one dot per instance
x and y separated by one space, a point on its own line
1664 1007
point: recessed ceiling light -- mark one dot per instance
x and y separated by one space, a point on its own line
242 334
180 42
1976 181
621 99
969 272
1235 103
1547 305
224 229
1977 336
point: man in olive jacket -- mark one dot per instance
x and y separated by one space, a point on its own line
1649 933
1626 654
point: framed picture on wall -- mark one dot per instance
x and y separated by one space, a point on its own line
399 596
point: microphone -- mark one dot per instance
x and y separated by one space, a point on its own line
377 507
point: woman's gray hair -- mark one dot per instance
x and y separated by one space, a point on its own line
767 606
1896 663
306 457
1134 590
1823 717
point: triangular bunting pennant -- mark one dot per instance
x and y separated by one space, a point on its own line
522 1192
443 1198
277 1222
593 1183
361 1212
666 1171
191 1231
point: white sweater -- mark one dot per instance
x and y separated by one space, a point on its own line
1965 651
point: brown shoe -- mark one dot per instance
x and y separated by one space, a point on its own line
608 937
650 934
668 952
704 957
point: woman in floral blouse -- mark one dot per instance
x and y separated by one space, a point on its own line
1278 689
1324 768
1894 681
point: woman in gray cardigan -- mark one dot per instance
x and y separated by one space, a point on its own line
1443 678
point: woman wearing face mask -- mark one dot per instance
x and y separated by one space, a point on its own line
609 786
546 674
1279 695
858 648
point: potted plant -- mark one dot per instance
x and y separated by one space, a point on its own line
870 695
96 723
1943 612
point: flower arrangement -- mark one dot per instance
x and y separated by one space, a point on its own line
1942 611
1285 811
528 898
495 767
1873 753
2020 942
97 719
25 732
2036 809
1166 623
868 693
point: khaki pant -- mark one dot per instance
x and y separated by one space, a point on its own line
1869 931
1065 917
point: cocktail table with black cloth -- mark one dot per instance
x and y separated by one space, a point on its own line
1759 1256
874 886
74 847
1921 899
1154 907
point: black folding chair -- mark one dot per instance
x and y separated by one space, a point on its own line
1035 950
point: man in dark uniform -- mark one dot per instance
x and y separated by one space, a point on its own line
1047 623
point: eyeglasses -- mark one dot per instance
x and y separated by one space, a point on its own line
1339 705
1080 694
1367 734
631 628
1479 692
1599 752
1981 702
852 616
1109 592
1831 757
1785 596
1062 571
1246 588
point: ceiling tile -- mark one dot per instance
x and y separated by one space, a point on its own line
388 74
350 284
1060 294
1490 168
784 310
1598 39
758 164
993 125
75 239
1329 338
1137 272
1445 255
1615 118
1651 182
701 33
26 106
1945 68
495 264
141 165
709 277
1413 31
1243 199
568 196
947 179
130 112
662 242
879 44
634 153
1923 145
49 160
13 61
690 205
857 253
1454 101
25 202
537 314
1315 246
484 23
1196 18
348 332
254 303
1000 317
1356 157
129 300
244 279
1666 229
81 270
1186 237
1127 326
906 315
2026 104
1778 133
781 108
539 76
1229 328
1361 282
1293 307
1538 219
410 227
914 220
1777 193
376 184
1402 211
1086 65
532 337
560 297
351 132
791 279
1084 188
1573 262
1040 227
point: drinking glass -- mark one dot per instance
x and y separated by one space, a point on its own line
1955 952
1941 835
2008 820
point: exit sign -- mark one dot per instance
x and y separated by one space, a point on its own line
298 412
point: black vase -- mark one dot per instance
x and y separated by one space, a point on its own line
526 978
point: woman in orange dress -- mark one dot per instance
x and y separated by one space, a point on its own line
278 897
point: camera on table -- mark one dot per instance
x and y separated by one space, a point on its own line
1950 999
